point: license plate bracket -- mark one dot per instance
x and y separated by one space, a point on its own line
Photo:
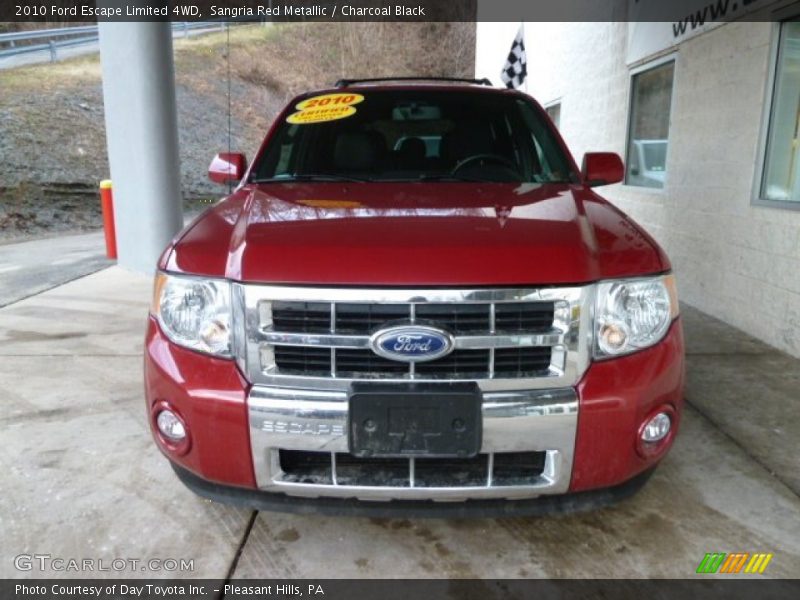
405 420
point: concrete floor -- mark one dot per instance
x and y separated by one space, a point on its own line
31 267
82 479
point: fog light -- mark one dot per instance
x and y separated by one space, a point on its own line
657 428
171 426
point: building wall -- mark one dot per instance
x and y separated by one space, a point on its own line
733 260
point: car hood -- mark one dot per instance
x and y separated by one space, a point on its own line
407 234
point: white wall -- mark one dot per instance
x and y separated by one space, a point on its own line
733 260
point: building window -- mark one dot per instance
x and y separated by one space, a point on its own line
648 128
554 112
781 175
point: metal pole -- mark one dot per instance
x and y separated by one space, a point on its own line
52 45
142 138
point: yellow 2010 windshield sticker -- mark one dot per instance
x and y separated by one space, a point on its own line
327 107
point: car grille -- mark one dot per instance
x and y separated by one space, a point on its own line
321 337
458 319
350 318
341 468
364 364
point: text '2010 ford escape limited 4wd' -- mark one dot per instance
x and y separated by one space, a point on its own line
414 295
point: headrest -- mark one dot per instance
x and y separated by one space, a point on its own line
412 148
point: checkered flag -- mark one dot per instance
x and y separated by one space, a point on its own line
516 68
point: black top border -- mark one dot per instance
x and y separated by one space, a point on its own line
694 13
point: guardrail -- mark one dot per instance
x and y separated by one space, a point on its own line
65 37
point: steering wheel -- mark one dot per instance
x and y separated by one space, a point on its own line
496 158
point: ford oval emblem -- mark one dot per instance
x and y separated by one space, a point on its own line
412 343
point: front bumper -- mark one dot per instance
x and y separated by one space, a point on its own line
588 433
543 505
312 421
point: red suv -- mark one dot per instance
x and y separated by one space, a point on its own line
414 295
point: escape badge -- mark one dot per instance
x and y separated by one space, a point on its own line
328 107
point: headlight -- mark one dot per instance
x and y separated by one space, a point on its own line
633 314
194 312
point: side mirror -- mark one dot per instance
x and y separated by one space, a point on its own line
602 168
227 167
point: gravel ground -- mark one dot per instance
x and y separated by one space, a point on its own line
52 139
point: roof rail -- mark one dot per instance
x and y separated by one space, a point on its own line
346 82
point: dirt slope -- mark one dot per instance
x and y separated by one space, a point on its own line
52 135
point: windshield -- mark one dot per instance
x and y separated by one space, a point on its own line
414 135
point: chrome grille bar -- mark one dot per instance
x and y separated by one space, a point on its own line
412 366
464 342
333 331
492 331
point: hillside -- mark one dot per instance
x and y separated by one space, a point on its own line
52 136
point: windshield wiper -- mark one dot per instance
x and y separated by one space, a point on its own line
309 177
480 180
450 177
554 181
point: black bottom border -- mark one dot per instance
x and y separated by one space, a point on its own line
393 589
